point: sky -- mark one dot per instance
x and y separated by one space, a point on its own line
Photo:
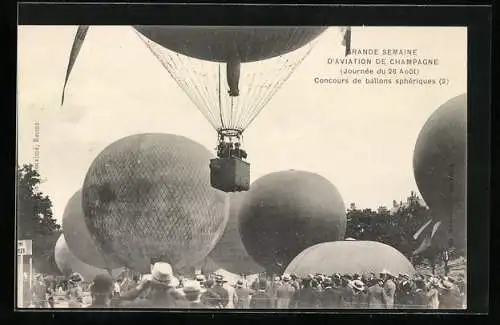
360 137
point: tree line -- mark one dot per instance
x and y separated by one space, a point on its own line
35 219
395 226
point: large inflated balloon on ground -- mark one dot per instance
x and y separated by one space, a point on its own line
439 164
68 263
230 253
350 257
148 198
286 212
221 44
78 237
207 266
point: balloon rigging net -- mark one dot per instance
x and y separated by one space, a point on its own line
231 105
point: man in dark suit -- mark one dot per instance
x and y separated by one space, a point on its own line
261 299
102 291
224 149
221 291
376 294
238 152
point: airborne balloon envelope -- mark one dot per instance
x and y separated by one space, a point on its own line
350 257
439 163
68 263
220 43
230 73
286 212
230 253
79 239
148 198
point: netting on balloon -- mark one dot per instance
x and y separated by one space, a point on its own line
79 240
206 84
151 199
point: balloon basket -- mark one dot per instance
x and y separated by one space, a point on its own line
230 174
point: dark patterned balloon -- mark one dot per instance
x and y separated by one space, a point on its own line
286 212
439 163
350 257
148 198
230 253
78 237
221 43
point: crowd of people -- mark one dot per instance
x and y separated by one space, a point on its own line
161 289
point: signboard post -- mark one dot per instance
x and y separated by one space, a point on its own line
20 281
24 248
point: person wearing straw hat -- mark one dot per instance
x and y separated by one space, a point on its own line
221 291
161 285
74 292
284 292
192 292
244 295
360 296
389 288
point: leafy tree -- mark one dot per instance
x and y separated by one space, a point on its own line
394 227
35 219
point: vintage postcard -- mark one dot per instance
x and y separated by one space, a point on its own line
242 167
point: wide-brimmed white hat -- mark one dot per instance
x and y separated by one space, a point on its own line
162 273
191 286
445 284
387 272
358 285
434 281
286 277
75 277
